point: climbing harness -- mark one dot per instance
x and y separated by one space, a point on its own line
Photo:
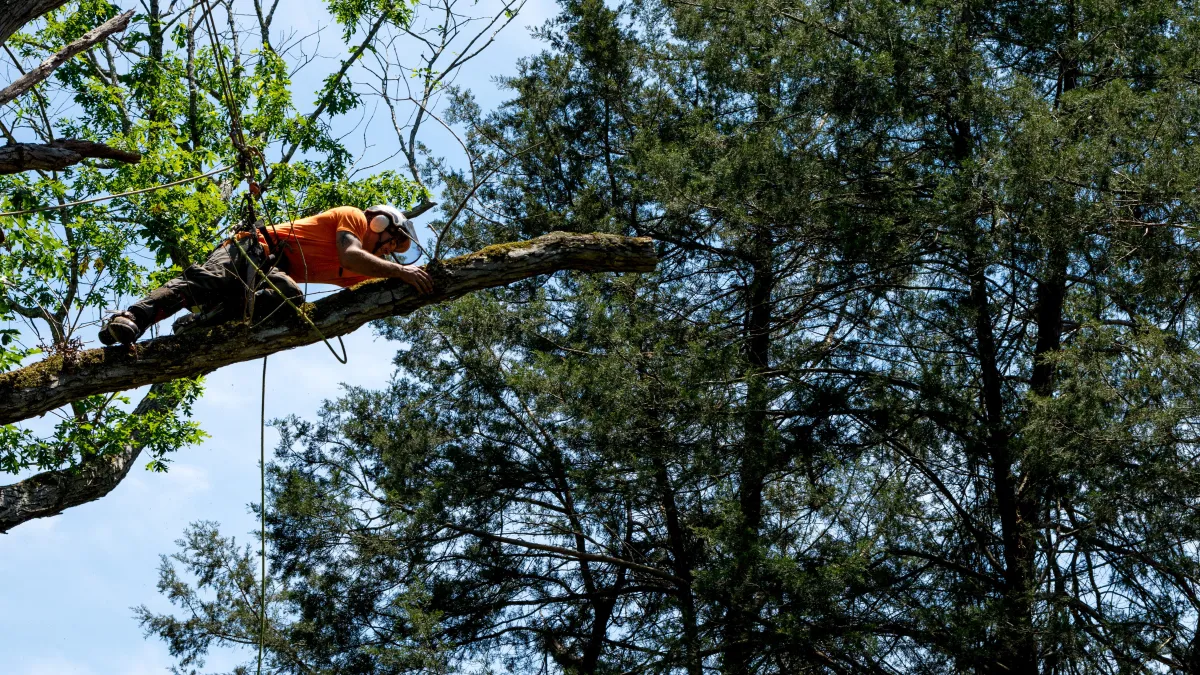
251 228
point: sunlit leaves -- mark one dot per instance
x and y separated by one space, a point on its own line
157 90
351 14
387 187
96 427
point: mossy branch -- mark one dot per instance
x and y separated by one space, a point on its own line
54 382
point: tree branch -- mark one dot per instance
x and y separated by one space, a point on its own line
575 554
16 13
49 384
50 492
324 102
114 25
17 157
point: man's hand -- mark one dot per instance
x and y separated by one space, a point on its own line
416 277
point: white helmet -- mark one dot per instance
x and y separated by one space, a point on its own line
388 217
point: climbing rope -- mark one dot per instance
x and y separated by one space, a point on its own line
262 515
246 167
246 155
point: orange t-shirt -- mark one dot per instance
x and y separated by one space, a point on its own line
310 249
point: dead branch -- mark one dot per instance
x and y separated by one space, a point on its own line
116 24
17 157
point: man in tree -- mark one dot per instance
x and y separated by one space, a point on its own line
342 246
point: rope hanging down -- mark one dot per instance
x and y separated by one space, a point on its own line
246 157
262 514
247 173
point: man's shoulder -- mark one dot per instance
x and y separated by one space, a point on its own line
350 214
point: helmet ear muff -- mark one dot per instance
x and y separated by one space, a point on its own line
380 223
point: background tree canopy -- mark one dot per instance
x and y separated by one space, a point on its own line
913 389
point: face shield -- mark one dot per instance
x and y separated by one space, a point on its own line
388 219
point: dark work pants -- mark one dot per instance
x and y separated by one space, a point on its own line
223 282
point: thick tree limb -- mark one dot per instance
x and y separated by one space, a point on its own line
51 492
52 383
17 13
17 157
114 25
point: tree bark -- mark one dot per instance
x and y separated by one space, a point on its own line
18 157
164 359
681 561
56 381
116 24
16 13
755 463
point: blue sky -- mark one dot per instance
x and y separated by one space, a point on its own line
67 583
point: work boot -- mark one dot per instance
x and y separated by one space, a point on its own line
121 328
127 326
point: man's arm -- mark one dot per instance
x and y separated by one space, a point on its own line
355 258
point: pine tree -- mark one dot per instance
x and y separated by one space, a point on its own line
912 389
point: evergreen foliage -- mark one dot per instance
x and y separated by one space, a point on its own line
913 389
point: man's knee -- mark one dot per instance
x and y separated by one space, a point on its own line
159 304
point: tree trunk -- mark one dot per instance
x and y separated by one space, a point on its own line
681 563
742 612
1015 650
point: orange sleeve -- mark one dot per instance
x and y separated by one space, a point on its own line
352 220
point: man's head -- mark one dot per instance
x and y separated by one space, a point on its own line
393 232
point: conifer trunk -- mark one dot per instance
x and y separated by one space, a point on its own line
754 464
